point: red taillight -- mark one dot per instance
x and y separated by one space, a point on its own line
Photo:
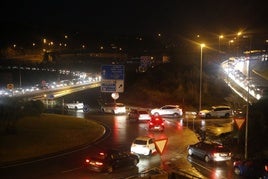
266 168
87 160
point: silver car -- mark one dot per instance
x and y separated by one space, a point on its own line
216 111
168 110
114 108
210 152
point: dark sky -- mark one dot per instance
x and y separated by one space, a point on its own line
133 16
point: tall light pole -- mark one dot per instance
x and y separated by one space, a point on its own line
220 37
238 43
200 82
247 110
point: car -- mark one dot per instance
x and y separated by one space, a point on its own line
157 123
168 110
114 108
255 168
75 106
139 115
108 161
216 111
210 151
143 145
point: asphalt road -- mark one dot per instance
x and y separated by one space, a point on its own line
120 135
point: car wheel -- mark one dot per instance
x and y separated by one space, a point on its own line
208 116
150 152
156 114
176 115
75 108
227 115
110 169
207 159
190 152
237 171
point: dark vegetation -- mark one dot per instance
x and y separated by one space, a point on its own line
177 82
11 110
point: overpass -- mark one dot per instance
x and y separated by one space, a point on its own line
244 78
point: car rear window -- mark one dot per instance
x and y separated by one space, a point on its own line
140 142
221 149
143 112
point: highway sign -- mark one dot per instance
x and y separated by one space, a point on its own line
112 78
113 72
108 86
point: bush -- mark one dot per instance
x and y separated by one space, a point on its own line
33 108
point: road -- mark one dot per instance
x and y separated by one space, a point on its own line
121 133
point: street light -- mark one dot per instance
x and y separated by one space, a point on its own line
247 110
200 82
220 37
238 45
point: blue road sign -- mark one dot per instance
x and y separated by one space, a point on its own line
113 72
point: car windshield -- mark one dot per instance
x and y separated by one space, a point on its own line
140 142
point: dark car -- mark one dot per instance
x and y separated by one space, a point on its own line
255 168
156 123
210 151
111 159
139 115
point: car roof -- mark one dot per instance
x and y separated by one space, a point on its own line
175 105
143 138
221 107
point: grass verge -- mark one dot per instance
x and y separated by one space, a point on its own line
46 134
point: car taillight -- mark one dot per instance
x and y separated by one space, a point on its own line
216 154
266 168
99 163
87 160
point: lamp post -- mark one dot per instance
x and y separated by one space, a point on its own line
247 110
200 82
220 37
238 45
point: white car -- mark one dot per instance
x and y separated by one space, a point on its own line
168 110
76 105
216 111
114 108
143 146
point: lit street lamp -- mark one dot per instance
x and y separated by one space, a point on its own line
220 37
200 82
238 45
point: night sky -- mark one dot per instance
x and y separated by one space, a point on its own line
25 17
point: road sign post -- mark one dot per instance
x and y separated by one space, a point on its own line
113 77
